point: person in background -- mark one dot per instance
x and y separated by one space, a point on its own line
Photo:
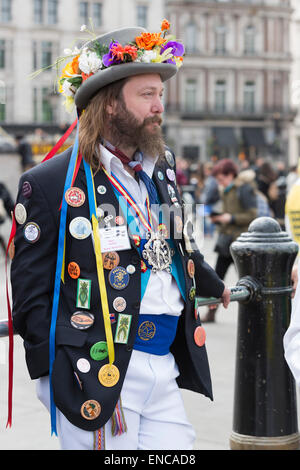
239 209
24 149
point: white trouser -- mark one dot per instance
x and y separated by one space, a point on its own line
152 405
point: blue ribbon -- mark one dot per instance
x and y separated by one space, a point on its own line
59 264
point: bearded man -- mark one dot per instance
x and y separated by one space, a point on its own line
103 280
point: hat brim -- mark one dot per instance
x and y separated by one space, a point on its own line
117 72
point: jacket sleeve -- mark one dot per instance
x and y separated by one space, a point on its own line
32 277
248 201
208 283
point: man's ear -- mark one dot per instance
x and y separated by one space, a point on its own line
111 107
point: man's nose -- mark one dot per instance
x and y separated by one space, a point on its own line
157 106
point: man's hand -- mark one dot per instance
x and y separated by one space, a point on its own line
294 280
226 297
222 218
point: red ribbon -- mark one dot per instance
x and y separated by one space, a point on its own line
51 154
10 330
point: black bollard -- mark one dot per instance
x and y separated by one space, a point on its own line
265 407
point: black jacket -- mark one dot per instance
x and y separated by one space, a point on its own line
32 276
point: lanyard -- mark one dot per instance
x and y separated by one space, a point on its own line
99 262
131 202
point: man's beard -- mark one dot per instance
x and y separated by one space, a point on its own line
126 131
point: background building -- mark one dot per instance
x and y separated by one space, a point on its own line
232 96
33 33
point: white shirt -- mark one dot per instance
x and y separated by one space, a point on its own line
162 295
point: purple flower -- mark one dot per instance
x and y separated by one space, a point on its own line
177 50
110 59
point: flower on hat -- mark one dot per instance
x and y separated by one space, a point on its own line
159 47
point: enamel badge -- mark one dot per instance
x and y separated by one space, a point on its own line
123 328
83 293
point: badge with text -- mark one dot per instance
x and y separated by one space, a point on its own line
118 278
83 293
114 238
90 409
108 375
75 197
111 259
123 328
32 232
73 270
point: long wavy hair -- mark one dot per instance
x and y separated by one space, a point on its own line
94 120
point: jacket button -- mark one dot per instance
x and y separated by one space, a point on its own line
128 348
136 305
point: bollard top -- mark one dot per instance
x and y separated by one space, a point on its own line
264 225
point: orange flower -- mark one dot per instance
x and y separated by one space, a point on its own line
72 68
149 40
131 50
86 76
165 25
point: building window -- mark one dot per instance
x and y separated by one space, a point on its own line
6 15
38 11
97 14
191 95
191 38
2 53
220 96
220 38
249 97
42 108
191 152
249 39
90 12
52 11
2 112
42 54
142 15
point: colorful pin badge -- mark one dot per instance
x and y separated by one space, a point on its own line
90 409
83 293
26 190
118 278
191 268
83 365
82 320
108 375
160 175
143 266
110 259
73 270
130 269
170 174
199 336
20 214
101 189
119 304
119 220
99 351
123 328
80 228
192 293
112 318
169 158
137 240
163 228
32 232
75 197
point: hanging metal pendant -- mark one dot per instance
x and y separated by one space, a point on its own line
157 252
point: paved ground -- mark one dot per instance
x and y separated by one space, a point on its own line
211 420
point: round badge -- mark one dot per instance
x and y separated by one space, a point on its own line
32 232
172 192
199 336
82 320
170 174
118 278
109 375
80 228
110 259
119 304
101 189
20 214
130 269
191 268
73 270
83 365
192 293
146 330
99 351
119 220
169 158
75 197
160 175
90 409
26 189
